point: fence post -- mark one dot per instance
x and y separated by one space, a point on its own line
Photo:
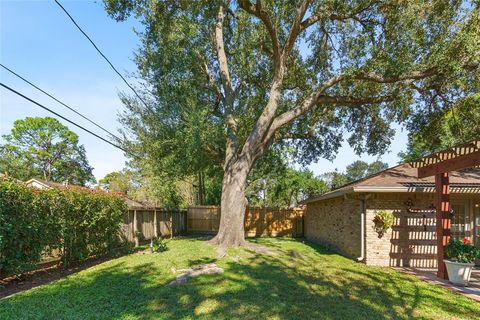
155 224
171 223
185 220
135 228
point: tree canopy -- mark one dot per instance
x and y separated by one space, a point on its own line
46 149
376 61
228 80
453 126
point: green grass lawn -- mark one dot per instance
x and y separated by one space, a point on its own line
302 282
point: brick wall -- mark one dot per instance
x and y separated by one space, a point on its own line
410 242
335 223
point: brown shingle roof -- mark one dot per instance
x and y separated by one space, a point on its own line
403 178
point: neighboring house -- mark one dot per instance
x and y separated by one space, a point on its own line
43 184
342 219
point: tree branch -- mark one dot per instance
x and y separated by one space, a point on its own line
254 144
221 56
296 29
295 136
211 81
313 100
375 77
339 17
231 145
258 11
318 97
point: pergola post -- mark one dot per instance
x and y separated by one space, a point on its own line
443 220
439 165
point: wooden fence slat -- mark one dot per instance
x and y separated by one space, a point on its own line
258 221
143 224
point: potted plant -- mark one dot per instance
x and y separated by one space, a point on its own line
383 221
460 260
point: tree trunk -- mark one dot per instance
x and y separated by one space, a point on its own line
231 230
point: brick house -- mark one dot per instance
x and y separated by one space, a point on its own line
342 219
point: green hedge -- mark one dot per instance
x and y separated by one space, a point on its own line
76 222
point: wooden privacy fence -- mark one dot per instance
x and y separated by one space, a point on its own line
142 224
272 222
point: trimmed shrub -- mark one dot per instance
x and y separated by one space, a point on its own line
78 223
27 227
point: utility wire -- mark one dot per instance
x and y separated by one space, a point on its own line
60 116
75 124
62 103
100 52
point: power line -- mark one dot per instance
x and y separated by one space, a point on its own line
62 103
100 52
75 124
62 117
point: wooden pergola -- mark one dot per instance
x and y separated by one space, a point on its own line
439 165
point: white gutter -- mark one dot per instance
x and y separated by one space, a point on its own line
329 195
380 189
362 228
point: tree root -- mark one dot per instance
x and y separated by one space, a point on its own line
222 248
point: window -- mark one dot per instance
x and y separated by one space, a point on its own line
460 227
477 224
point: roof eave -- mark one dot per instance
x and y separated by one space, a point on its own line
385 189
329 195
39 182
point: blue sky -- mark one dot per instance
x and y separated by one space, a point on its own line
39 42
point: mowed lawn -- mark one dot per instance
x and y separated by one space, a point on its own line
302 282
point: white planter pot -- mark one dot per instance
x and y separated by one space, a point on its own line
459 273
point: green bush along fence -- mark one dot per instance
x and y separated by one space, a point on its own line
77 223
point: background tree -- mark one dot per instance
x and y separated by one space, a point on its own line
149 189
334 179
361 169
118 181
354 171
453 126
248 76
46 149
274 183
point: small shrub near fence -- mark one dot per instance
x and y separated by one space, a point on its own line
75 222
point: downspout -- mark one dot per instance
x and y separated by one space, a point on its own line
363 227
362 231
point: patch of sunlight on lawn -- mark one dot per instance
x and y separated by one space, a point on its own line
302 281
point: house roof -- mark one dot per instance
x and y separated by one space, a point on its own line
51 184
403 178
132 204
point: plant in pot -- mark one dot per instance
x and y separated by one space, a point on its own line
460 260
383 221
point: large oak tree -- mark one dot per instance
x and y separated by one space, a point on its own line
229 80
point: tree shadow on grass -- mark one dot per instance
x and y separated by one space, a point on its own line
255 287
